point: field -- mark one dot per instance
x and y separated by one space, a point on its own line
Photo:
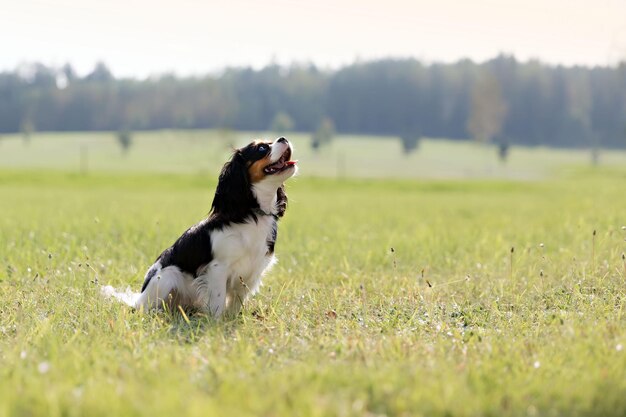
204 151
434 297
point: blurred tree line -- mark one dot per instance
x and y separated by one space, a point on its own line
501 100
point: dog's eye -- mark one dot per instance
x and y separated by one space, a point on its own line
263 148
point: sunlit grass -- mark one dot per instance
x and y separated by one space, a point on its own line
204 151
448 323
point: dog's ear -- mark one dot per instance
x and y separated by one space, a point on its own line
233 194
281 201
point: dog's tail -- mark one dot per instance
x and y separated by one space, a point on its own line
126 296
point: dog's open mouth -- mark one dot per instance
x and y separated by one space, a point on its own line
282 164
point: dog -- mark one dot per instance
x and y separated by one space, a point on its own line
218 263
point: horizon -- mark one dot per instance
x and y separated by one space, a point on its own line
190 38
24 66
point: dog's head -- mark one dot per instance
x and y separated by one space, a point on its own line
252 181
268 161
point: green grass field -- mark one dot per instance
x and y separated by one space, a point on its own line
447 323
204 151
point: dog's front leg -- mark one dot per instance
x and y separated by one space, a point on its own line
212 290
236 299
216 296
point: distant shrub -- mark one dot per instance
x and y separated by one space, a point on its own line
125 139
281 123
503 150
324 134
27 128
410 142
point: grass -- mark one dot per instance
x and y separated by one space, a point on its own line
203 152
447 323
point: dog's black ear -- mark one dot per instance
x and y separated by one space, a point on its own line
233 196
281 201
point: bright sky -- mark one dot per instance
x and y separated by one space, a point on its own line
143 37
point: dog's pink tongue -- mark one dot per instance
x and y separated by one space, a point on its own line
290 163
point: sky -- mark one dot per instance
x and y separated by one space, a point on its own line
145 37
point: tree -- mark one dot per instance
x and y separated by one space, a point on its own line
410 142
580 102
69 73
281 123
27 128
503 150
125 139
324 134
100 73
528 103
488 109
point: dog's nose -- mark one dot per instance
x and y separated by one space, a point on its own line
282 140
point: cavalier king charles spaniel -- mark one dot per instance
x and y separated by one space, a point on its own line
216 264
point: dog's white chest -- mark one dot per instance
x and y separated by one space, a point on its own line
243 249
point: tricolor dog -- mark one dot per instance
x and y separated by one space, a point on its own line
216 264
